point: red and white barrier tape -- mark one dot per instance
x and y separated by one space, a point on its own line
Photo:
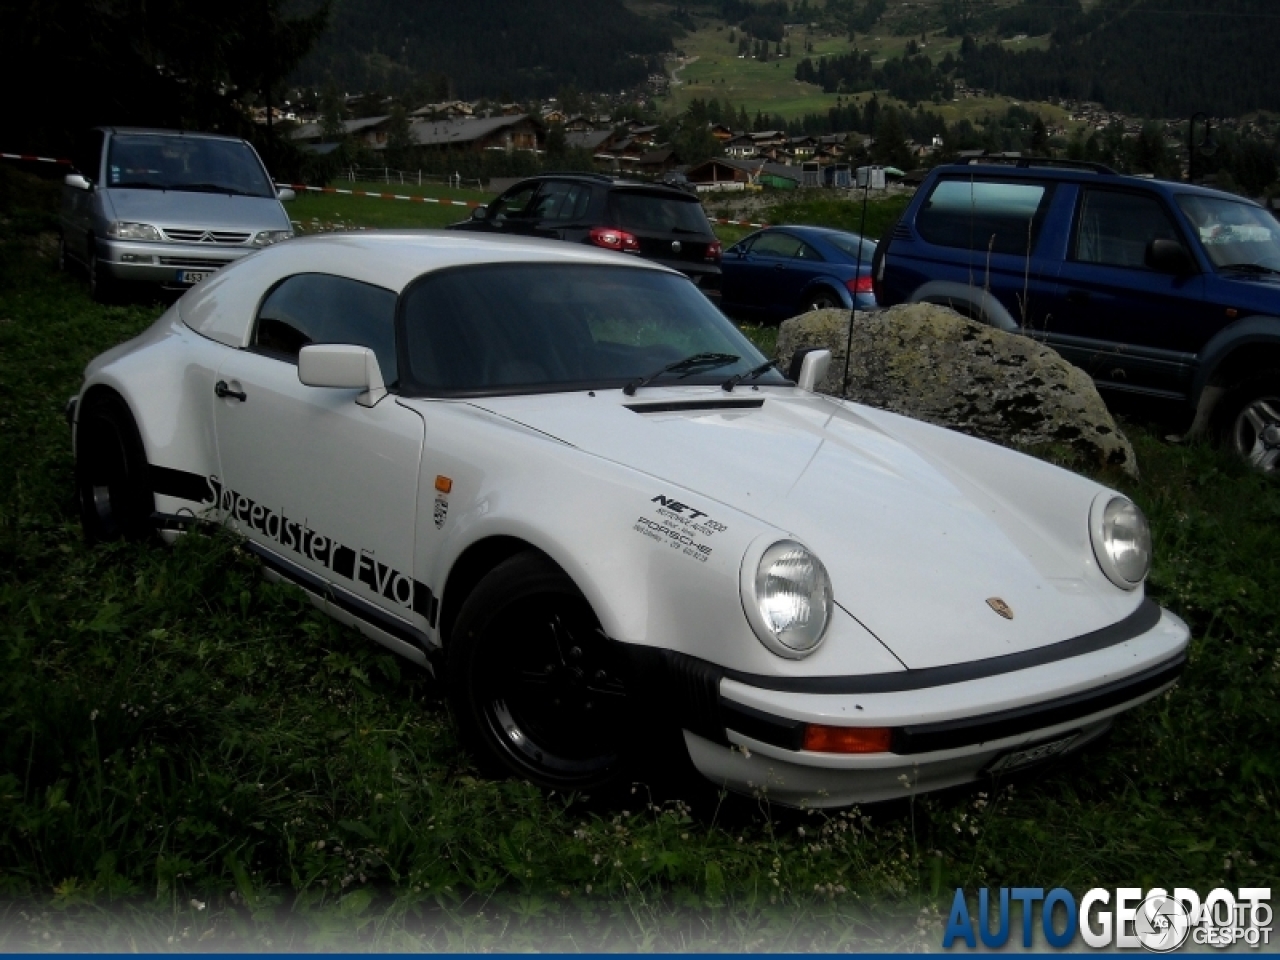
380 196
32 157
737 223
450 203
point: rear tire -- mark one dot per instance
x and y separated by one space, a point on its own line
112 484
1248 421
535 686
823 300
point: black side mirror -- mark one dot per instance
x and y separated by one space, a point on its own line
479 213
1169 256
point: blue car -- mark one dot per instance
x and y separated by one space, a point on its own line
780 272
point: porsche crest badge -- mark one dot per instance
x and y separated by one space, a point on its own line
1000 607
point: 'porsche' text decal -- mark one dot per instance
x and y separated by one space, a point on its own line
680 526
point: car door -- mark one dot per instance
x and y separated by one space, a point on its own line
327 487
1127 325
777 272
560 210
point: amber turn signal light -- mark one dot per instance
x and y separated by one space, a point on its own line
823 739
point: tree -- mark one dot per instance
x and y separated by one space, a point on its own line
890 148
177 63
400 143
1040 138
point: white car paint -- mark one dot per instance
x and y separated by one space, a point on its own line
918 526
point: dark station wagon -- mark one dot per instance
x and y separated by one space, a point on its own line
660 223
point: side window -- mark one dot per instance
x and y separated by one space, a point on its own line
984 215
562 202
319 308
806 252
777 245
513 203
1115 228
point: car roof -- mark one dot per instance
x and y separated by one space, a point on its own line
604 180
1050 171
223 307
162 132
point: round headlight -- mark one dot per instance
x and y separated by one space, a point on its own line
1121 540
790 602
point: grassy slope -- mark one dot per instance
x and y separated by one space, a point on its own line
772 88
180 732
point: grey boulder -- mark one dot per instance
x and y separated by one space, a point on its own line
930 363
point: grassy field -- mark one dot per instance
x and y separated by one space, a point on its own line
194 757
315 212
712 69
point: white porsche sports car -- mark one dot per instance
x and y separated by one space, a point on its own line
560 478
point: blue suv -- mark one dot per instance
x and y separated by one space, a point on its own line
1151 287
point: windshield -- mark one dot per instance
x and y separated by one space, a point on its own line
849 243
659 213
1233 233
199 164
542 327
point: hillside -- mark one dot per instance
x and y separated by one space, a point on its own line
495 48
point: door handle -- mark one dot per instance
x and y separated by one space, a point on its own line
220 389
1078 297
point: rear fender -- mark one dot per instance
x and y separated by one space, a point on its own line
972 301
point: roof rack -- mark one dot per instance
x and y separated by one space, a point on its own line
1023 163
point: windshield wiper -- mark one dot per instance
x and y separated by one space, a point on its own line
751 374
685 366
1249 268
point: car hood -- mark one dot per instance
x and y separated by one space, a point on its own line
198 211
914 545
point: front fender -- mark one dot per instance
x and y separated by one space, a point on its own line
1244 332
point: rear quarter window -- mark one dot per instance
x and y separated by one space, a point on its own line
984 215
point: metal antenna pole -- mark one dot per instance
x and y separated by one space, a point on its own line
853 311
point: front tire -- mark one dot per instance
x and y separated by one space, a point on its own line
1249 422
102 286
116 500
536 687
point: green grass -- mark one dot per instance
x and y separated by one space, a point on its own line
315 212
192 751
771 87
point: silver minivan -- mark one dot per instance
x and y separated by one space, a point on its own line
166 208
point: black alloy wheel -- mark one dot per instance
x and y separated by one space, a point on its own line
116 501
536 687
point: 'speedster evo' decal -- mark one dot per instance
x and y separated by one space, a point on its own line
346 562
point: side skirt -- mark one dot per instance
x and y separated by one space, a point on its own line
393 633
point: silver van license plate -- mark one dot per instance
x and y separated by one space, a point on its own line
193 276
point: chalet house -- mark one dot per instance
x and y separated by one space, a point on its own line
721 132
741 147
520 132
367 131
721 173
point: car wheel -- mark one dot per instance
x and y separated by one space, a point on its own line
1249 422
823 300
535 685
116 501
